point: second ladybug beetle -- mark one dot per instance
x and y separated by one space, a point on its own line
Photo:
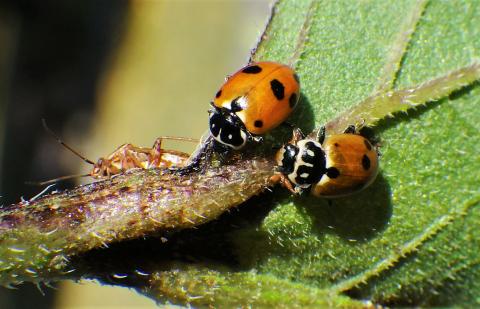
253 101
334 166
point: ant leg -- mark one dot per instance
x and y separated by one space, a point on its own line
124 158
178 138
157 145
157 150
156 154
131 157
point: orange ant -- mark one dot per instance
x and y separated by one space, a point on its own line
127 157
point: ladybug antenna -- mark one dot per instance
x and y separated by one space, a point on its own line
66 146
51 181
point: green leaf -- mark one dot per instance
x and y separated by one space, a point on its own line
429 163
410 238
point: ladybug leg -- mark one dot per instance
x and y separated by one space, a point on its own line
257 139
284 182
214 108
275 179
297 135
377 148
201 160
298 190
351 129
222 150
321 134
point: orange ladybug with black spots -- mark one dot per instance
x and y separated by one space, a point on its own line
334 166
253 101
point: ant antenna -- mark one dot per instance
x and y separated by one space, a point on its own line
66 146
176 138
51 181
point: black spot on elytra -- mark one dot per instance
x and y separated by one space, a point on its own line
365 162
278 89
336 145
368 145
292 100
258 123
254 69
295 76
333 172
219 93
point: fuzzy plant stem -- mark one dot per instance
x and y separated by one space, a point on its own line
37 237
379 106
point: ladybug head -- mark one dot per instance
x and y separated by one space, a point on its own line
286 158
227 128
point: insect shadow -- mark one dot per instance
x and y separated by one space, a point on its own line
357 218
302 118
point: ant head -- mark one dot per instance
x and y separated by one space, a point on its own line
99 169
